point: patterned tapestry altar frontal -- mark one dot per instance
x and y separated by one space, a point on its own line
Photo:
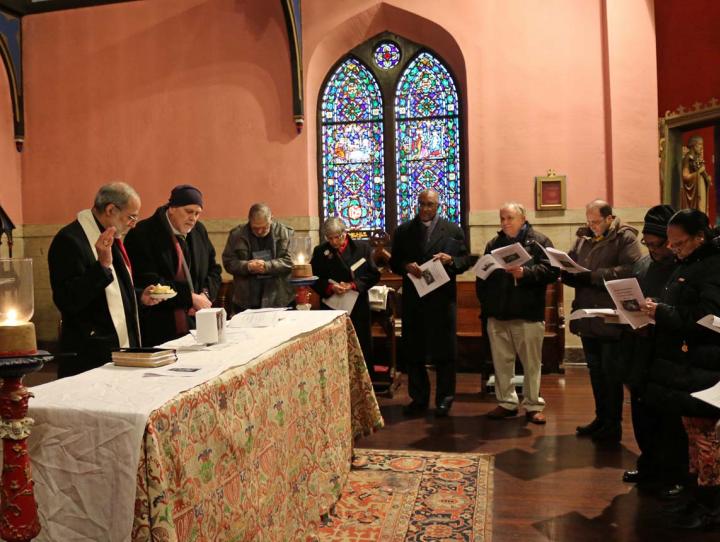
258 453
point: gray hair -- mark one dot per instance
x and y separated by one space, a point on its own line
259 210
515 206
334 226
116 193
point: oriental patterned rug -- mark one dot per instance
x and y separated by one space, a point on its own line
394 496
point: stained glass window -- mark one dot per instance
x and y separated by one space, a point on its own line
374 158
352 148
386 55
427 138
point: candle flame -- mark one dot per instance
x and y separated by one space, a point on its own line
11 317
301 259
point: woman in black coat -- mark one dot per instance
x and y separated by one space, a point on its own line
688 356
341 265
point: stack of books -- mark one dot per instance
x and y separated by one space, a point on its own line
143 357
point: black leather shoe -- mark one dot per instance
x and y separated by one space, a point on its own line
443 409
696 518
607 434
414 408
680 506
632 476
589 429
672 492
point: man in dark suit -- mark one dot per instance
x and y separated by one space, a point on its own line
173 248
92 284
343 265
429 322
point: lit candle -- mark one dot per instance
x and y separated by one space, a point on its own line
301 259
11 317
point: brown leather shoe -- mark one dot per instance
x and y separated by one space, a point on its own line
498 413
536 417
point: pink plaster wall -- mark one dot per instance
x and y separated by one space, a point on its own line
159 93
168 91
10 164
632 93
546 86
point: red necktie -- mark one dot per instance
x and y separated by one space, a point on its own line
181 323
121 246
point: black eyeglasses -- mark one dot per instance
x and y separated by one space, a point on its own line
131 218
654 246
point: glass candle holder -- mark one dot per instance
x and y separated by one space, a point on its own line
300 249
17 302
301 253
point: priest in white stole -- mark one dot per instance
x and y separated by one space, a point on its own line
92 284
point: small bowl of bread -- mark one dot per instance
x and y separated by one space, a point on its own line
162 291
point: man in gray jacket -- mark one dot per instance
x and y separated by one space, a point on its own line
257 255
608 248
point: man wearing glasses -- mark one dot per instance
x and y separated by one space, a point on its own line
608 248
173 248
92 281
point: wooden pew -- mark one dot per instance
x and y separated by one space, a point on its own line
469 326
473 348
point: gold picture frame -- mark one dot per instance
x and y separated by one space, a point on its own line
550 193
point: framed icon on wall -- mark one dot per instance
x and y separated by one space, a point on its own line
550 192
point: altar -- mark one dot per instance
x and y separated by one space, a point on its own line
257 447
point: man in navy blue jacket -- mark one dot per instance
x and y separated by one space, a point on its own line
513 301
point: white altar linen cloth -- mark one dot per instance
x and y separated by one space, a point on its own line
86 441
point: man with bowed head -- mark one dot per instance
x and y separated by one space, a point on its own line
172 247
429 322
92 281
257 255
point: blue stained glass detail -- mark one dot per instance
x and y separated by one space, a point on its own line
427 138
352 148
426 89
386 55
352 94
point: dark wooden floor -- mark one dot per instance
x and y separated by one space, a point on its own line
548 484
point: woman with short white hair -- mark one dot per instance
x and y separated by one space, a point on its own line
344 265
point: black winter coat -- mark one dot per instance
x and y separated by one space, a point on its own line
638 346
687 354
435 313
328 264
78 284
500 297
154 259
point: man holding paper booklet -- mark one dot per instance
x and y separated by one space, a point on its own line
512 279
346 271
428 252
608 248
